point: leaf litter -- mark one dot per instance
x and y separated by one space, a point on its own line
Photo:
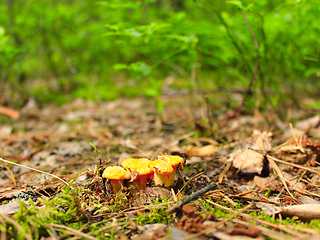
243 166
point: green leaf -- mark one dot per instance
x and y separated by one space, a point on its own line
237 3
2 31
120 66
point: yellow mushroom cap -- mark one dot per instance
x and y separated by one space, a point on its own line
141 165
116 173
161 167
173 160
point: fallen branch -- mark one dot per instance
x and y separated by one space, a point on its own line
191 197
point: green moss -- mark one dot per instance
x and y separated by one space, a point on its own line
154 215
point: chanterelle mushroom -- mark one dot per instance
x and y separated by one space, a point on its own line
163 173
143 170
175 161
117 175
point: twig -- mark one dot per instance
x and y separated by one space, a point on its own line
9 112
256 65
229 200
275 226
73 231
256 44
294 165
218 224
101 229
282 178
34 169
271 233
191 197
227 167
132 210
188 182
11 175
296 139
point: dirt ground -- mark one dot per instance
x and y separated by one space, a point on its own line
263 162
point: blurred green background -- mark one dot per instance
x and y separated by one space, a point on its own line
57 50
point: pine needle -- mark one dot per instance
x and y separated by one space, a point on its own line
34 169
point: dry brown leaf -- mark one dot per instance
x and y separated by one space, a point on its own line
309 200
12 207
268 208
207 150
247 161
261 140
262 182
294 131
5 130
308 123
293 181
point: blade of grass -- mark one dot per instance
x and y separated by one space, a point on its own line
34 169
73 231
17 226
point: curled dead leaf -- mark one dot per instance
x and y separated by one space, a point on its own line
247 161
261 140
207 150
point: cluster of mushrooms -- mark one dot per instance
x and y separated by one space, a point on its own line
140 171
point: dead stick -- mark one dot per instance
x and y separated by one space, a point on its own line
191 197
9 112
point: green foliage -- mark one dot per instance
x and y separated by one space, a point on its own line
91 48
8 52
33 221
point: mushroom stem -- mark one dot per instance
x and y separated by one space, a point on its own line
116 175
116 185
141 183
166 180
163 173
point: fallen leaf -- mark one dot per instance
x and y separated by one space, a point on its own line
309 200
12 207
268 208
207 150
261 140
178 234
247 161
151 231
294 131
308 123
5 130
262 182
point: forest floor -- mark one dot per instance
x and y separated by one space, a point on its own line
258 174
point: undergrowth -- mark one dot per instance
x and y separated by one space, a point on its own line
64 216
156 215
32 222
219 213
